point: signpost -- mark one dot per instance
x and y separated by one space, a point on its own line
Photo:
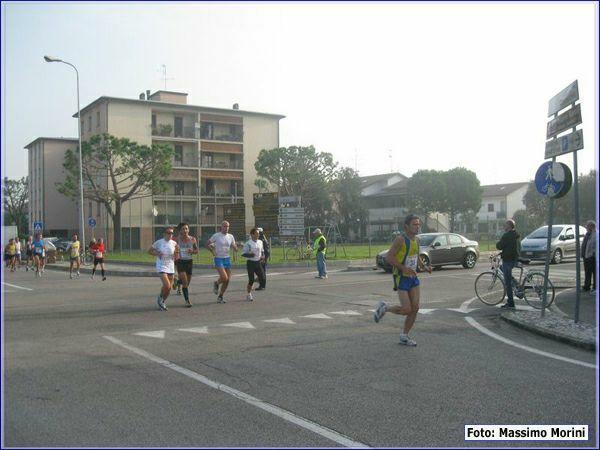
550 182
38 227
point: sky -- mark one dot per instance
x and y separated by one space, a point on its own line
382 86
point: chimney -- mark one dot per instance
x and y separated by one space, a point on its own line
142 96
236 106
148 94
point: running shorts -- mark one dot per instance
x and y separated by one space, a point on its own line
405 283
98 261
224 263
184 265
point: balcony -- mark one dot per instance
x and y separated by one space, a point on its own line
233 165
221 132
220 194
167 131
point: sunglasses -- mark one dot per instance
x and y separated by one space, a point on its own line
168 232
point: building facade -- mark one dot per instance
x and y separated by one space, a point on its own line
212 169
57 213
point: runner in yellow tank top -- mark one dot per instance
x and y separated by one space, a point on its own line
404 258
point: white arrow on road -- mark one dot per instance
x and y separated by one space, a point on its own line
201 330
247 325
346 313
426 310
317 316
284 320
153 334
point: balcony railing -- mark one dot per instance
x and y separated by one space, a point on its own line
206 193
167 219
236 165
185 163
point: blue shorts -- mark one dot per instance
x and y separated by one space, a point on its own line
225 263
405 283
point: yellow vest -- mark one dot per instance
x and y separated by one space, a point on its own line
316 244
408 255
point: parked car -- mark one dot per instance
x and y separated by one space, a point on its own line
562 244
441 249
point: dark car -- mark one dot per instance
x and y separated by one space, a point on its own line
441 249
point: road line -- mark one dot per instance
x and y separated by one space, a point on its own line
275 410
18 287
493 335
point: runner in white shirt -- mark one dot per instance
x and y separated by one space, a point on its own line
166 251
253 250
219 244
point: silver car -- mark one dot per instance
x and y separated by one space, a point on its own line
562 244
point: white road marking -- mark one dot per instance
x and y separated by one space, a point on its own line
317 316
153 334
247 325
346 313
426 310
200 330
284 320
289 416
18 287
493 335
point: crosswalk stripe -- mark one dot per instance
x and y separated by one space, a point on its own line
200 330
284 320
317 316
346 313
153 334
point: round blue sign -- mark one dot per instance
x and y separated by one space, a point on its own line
92 222
553 179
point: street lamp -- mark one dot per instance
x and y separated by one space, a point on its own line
81 219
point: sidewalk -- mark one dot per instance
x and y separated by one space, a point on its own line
558 322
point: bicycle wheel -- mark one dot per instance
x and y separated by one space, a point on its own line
533 290
489 288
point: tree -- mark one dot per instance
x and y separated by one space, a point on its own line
300 171
349 208
116 170
261 184
15 195
426 192
463 193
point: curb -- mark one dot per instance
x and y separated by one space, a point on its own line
513 319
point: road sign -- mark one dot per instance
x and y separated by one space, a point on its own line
564 144
566 120
92 222
553 179
568 95
38 226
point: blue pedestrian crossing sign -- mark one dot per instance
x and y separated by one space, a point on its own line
38 226
92 222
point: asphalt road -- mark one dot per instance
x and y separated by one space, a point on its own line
93 363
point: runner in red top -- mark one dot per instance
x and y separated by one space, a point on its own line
98 251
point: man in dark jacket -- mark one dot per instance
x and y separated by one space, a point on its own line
509 246
267 250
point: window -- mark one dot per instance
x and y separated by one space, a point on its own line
91 212
441 239
90 123
97 119
179 188
153 121
454 239
490 207
178 155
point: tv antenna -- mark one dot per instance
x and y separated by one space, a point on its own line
391 161
164 75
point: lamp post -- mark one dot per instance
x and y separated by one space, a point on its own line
81 219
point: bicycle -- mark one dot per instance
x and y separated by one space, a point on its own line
490 286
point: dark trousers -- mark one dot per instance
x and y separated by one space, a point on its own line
589 266
507 267
263 282
254 268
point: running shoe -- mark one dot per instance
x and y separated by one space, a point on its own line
220 299
379 312
103 278
78 274
188 304
161 304
405 340
249 298
216 287
71 276
260 288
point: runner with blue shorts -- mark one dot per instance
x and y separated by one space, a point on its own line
220 244
403 256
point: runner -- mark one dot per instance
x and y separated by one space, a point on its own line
254 251
166 251
404 258
267 250
188 247
29 253
97 249
10 253
39 251
219 245
74 247
17 253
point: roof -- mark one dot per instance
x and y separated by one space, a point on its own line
501 190
371 179
177 106
396 188
64 139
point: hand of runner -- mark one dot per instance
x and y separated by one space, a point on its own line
429 269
